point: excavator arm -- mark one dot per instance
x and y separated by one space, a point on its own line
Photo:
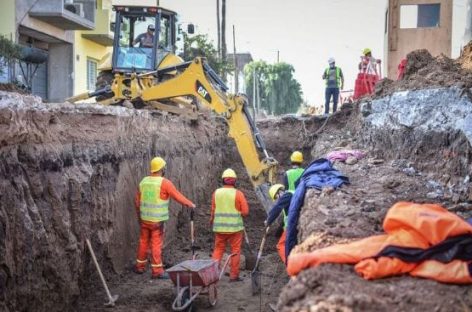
199 80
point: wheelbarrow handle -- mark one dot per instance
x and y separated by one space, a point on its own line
223 269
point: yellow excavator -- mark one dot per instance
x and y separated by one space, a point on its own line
143 70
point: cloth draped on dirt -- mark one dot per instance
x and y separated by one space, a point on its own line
343 155
424 240
320 173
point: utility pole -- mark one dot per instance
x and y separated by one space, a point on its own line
236 71
223 30
254 93
278 56
218 26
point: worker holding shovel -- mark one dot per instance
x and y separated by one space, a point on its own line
282 203
228 206
152 208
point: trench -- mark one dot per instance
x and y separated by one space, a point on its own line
68 173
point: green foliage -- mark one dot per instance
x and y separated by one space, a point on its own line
8 51
280 93
201 46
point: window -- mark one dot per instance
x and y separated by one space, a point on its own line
420 15
91 74
136 42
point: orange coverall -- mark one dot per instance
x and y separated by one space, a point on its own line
409 226
234 239
152 233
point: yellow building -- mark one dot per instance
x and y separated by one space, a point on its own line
73 34
91 46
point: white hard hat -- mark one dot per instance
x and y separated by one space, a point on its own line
331 60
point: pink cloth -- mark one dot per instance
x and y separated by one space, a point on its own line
344 154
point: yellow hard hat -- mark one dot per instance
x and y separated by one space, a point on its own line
297 157
229 173
157 163
274 189
366 50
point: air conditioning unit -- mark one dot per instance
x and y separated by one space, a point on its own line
76 8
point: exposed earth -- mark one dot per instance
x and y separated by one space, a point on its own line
70 172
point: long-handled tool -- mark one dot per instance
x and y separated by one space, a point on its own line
250 257
192 233
111 299
255 274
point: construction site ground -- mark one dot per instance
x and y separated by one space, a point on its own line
70 172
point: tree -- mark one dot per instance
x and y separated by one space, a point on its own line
280 93
201 46
9 51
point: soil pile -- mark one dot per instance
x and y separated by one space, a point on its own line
408 159
424 72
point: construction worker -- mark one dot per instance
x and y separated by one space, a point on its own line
228 206
368 64
292 175
152 207
146 39
282 203
334 78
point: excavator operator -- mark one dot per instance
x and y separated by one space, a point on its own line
146 39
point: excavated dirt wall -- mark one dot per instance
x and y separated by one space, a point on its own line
70 172
418 146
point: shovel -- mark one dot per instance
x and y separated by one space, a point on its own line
255 274
250 257
192 233
111 299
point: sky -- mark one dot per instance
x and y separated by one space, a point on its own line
306 32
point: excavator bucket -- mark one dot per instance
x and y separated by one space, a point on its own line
262 192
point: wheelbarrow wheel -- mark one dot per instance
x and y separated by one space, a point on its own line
185 299
212 295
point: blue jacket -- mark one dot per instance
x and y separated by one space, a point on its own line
281 204
318 174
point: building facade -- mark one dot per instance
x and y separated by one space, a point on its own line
440 26
71 33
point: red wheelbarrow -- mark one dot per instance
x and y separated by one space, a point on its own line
193 278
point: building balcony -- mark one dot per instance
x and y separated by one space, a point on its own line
103 32
66 14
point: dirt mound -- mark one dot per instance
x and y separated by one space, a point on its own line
424 72
408 159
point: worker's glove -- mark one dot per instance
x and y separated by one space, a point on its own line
193 206
266 224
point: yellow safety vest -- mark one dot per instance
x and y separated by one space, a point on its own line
292 176
227 218
152 207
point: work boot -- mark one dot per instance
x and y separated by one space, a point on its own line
163 276
138 271
237 279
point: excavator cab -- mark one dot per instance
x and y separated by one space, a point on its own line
144 35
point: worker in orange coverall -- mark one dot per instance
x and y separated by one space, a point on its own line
228 206
152 208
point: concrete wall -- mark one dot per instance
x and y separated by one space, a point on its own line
7 21
461 26
60 69
402 41
22 18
